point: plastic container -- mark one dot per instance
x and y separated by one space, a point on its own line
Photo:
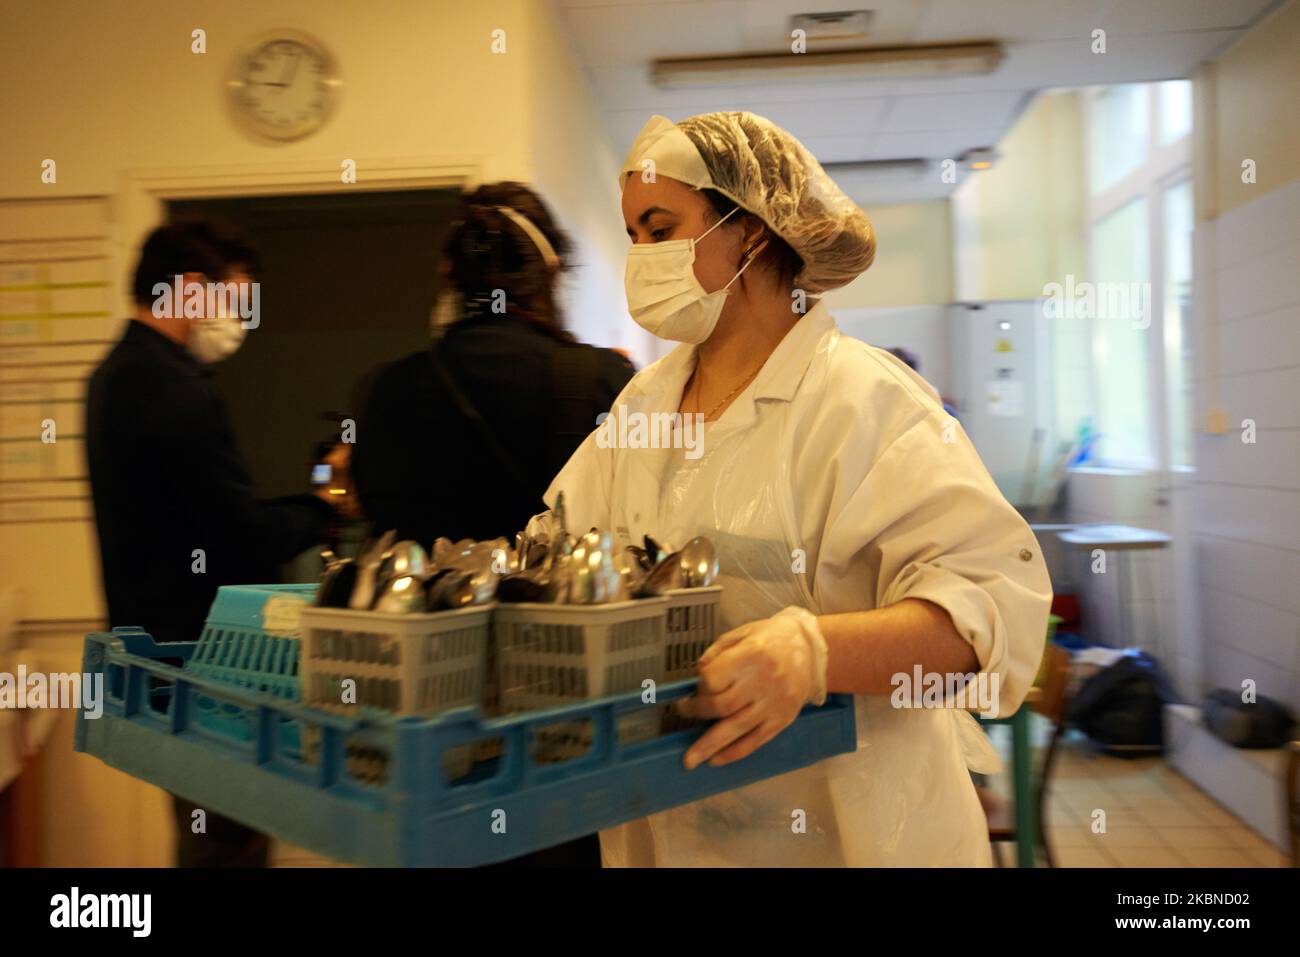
415 816
405 665
549 655
692 625
250 640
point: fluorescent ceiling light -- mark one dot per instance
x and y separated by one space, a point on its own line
945 59
903 170
977 159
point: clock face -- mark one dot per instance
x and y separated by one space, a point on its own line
284 86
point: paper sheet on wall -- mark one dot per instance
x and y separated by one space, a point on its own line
1006 397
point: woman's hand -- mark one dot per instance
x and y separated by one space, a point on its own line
755 679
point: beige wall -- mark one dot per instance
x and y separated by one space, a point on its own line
913 265
419 81
576 168
1246 104
1019 225
109 90
420 84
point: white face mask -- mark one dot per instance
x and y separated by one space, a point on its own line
665 297
212 340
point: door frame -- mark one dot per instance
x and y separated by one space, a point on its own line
139 204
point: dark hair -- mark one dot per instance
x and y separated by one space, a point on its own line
215 250
487 250
776 255
908 357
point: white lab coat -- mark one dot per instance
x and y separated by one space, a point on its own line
835 481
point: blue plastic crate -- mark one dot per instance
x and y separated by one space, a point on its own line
413 815
243 645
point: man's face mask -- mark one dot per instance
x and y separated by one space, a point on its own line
218 337
665 297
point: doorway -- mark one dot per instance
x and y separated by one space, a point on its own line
347 283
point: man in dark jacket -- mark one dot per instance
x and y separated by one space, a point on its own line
174 504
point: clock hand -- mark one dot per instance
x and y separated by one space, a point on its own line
293 68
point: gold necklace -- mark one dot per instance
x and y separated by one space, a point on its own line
699 379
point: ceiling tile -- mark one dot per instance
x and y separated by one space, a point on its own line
952 111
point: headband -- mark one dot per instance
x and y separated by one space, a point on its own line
533 233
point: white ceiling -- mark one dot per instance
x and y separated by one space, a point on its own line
1047 44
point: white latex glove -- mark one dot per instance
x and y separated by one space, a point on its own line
755 679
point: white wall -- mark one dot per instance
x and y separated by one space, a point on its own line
1247 496
1246 293
902 299
1019 225
921 329
913 264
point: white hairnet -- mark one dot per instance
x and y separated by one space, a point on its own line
769 173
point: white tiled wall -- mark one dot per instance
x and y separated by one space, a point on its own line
1246 520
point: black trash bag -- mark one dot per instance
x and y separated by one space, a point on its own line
1121 707
1263 724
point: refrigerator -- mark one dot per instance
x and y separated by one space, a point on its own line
1000 363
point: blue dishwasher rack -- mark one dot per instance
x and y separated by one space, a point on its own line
414 817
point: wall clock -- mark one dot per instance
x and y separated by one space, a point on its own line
284 85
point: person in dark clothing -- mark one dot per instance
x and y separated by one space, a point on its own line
461 440
470 458
174 505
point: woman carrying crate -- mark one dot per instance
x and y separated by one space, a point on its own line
861 540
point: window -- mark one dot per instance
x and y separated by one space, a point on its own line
1117 144
1120 273
1176 211
1139 222
1175 109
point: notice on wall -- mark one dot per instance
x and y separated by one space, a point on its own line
1005 397
56 320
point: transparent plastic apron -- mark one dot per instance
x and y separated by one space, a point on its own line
854 809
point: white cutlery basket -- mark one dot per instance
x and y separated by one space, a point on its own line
420 664
550 655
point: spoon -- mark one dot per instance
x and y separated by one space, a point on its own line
631 572
665 576
594 580
337 583
401 596
363 593
699 563
449 591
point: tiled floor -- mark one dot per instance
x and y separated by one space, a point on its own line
1152 817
